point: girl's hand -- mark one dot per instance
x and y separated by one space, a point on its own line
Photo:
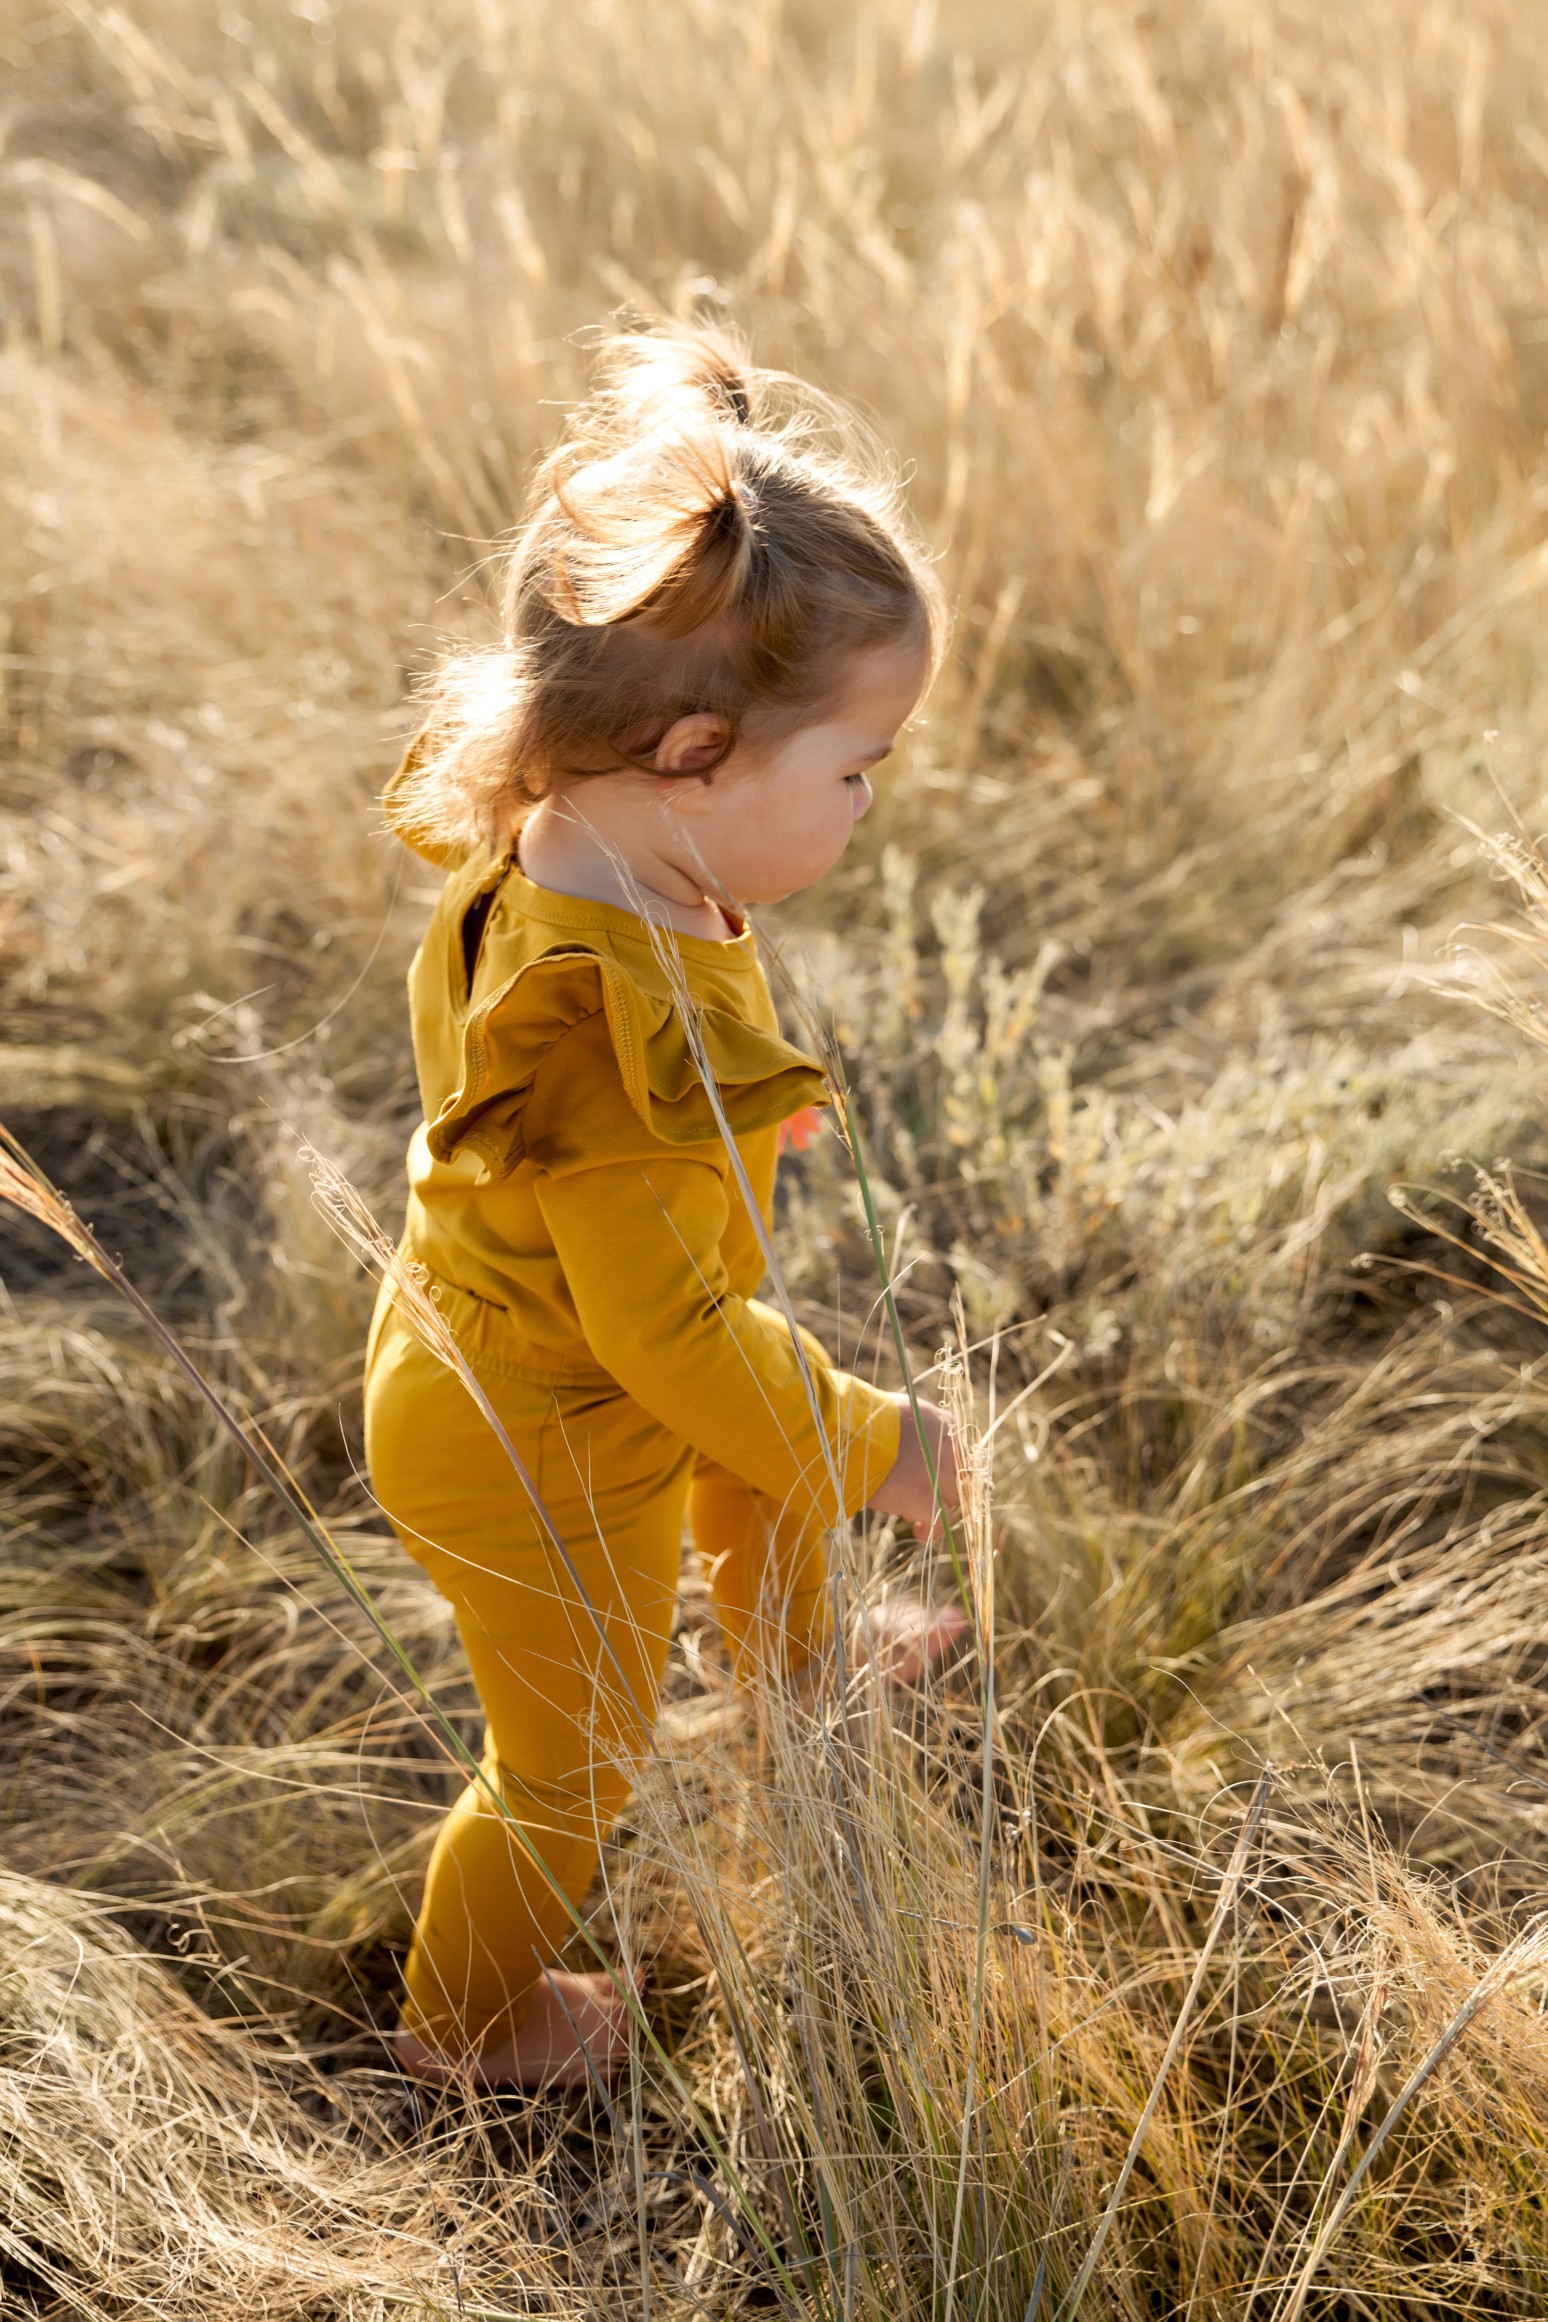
908 1490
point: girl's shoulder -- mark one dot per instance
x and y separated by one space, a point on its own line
514 983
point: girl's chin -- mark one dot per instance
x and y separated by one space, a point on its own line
766 889
771 894
777 886
794 881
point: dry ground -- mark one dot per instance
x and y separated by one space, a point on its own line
1216 335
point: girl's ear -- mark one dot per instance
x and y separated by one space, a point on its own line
694 745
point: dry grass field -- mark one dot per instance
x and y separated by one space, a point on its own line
1182 1953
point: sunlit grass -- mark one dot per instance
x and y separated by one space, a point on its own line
1202 1974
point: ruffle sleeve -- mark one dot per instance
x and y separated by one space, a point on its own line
760 1077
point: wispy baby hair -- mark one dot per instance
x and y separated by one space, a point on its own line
706 535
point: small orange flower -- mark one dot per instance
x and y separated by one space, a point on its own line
797 1133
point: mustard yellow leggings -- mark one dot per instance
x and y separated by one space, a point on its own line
568 1715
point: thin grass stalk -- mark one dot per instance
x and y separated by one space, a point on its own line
833 1066
670 962
984 1612
1224 1901
832 1059
839 1083
637 2145
1362 2082
687 1010
683 999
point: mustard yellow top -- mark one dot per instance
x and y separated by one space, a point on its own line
570 1175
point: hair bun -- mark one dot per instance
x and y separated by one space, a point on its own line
705 535
680 365
729 387
656 513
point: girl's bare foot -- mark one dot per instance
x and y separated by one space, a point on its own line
572 2018
912 1637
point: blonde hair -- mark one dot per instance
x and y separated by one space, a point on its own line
706 536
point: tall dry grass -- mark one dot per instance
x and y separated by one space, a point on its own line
1179 1954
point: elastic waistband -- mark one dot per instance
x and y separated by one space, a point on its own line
492 1343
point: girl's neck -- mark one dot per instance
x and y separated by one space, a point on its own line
560 849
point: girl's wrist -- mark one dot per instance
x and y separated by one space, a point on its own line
910 1490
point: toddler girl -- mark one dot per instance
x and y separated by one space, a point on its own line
714 628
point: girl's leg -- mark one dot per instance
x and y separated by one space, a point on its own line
566 1729
767 1570
569 1710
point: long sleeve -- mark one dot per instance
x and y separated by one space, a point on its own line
639 1242
639 1228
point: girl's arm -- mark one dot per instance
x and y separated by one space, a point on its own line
639 1241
